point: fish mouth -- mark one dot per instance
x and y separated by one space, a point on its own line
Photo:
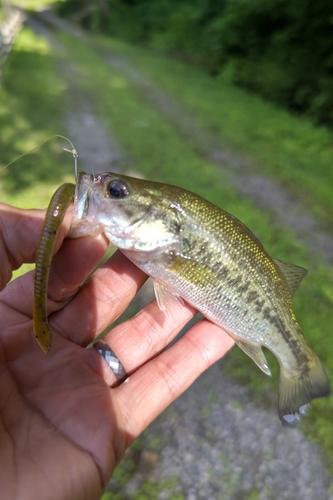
101 179
86 186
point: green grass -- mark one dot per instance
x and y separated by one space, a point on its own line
30 114
32 4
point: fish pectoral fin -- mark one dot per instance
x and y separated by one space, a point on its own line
165 298
254 351
293 274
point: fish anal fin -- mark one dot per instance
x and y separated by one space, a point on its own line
298 387
254 351
165 298
292 273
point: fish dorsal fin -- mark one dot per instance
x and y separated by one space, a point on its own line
254 351
293 274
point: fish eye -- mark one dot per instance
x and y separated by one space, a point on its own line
117 189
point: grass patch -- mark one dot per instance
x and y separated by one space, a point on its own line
31 114
32 4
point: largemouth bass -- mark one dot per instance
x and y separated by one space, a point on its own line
196 251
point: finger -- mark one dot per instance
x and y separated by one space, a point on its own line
20 231
100 301
143 337
75 260
148 391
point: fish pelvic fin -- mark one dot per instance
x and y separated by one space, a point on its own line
299 387
254 351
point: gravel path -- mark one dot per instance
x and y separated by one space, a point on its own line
221 445
214 442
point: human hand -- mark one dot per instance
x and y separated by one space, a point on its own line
63 429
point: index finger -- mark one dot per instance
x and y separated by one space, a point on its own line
20 230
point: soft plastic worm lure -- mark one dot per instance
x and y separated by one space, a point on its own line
55 214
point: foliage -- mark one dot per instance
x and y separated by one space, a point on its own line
93 15
281 49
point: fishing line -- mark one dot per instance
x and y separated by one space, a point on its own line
72 151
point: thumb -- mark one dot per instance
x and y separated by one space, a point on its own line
19 236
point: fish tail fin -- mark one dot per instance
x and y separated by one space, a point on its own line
298 387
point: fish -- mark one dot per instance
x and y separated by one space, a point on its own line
196 252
